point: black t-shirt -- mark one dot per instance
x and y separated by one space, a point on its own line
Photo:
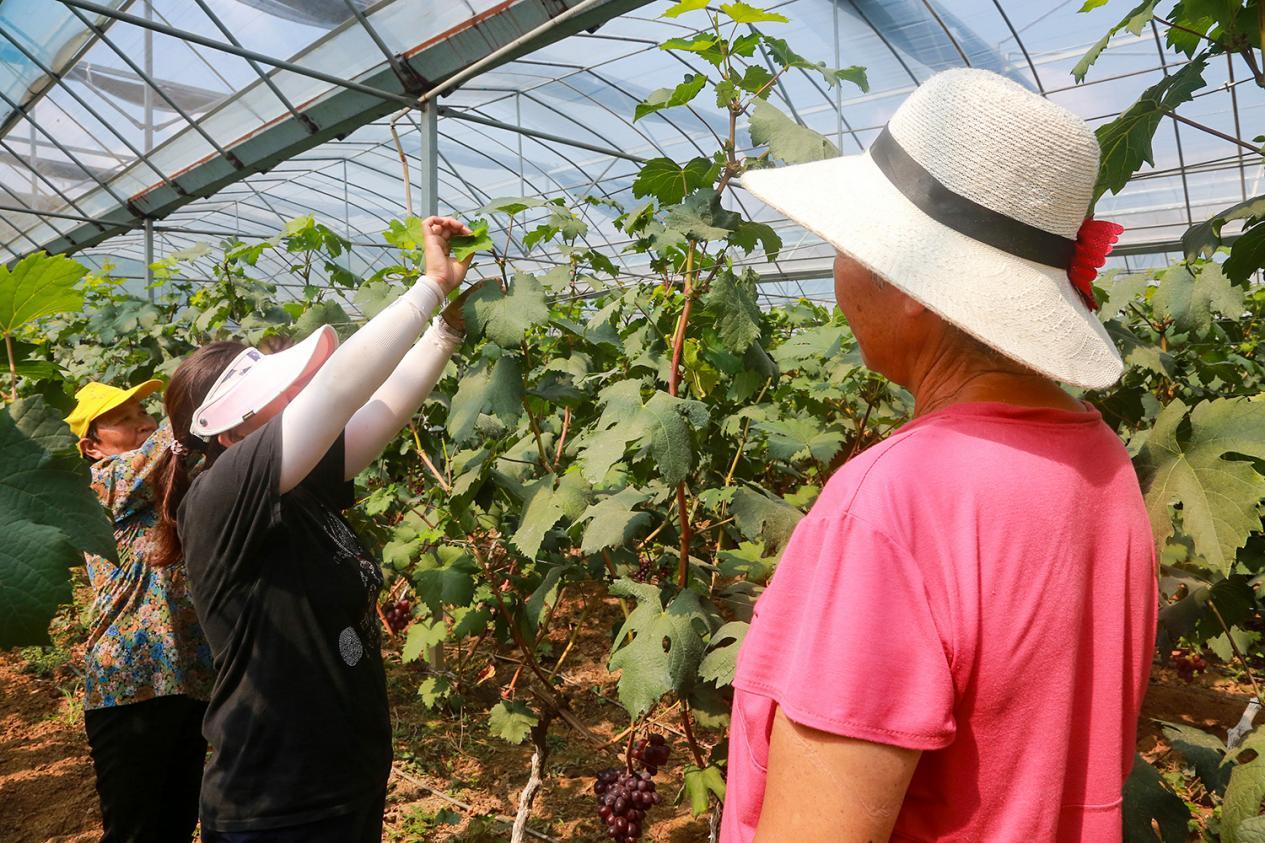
298 720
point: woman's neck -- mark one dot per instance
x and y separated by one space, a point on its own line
961 379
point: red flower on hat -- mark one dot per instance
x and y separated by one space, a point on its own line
1093 244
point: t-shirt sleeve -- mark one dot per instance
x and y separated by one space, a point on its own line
124 482
846 641
328 480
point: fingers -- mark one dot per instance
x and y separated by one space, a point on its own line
445 227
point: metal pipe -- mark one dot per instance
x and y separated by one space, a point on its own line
307 121
194 38
64 151
446 111
1036 77
495 56
149 80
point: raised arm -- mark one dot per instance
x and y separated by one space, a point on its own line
389 410
312 422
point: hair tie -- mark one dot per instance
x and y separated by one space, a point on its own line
1093 243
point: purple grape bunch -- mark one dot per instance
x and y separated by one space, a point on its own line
398 614
624 795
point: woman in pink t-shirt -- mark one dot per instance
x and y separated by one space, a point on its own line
957 638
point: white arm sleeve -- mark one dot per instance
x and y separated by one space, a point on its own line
312 422
389 410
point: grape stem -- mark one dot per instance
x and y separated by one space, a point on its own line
535 780
687 725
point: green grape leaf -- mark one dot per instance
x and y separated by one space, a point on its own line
478 240
700 785
422 635
701 217
406 234
373 297
1121 291
667 422
433 689
798 438
1138 353
760 517
748 561
1246 255
510 205
1126 141
512 721
787 140
1184 462
1137 18
721 661
1148 799
782 53
1202 751
671 97
1251 830
684 6
670 182
613 521
740 12
1189 300
544 505
545 595
495 389
1202 239
1246 790
38 285
749 234
451 585
706 45
325 312
647 670
731 302
505 318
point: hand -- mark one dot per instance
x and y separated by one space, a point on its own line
455 313
445 271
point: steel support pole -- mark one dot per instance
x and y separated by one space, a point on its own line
429 182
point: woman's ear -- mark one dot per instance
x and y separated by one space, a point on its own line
227 439
88 447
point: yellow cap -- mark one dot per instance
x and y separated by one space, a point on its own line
96 399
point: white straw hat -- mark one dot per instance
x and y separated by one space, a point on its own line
254 380
971 201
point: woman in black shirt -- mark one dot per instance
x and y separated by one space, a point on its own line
298 720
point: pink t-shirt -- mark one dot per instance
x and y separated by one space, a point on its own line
980 586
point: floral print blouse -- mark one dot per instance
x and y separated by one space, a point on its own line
144 639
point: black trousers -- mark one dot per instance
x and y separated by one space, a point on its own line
363 825
148 758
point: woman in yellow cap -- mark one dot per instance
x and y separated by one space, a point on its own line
148 670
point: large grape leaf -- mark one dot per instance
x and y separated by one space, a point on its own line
661 427
1184 462
1250 831
1147 799
495 389
38 285
450 585
1246 255
648 671
1126 141
543 506
1202 239
721 662
701 217
1137 18
1245 792
799 437
613 521
511 720
787 140
760 517
505 318
422 635
662 98
670 182
1190 299
733 305
50 517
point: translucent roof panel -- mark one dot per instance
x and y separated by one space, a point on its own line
554 123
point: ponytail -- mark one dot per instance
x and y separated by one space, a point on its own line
189 386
